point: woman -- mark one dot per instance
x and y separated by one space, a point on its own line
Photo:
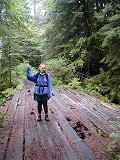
42 89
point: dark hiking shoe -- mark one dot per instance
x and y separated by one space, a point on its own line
39 118
46 117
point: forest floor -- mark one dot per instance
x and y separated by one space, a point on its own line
78 129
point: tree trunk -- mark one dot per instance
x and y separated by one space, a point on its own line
10 78
34 10
97 5
87 18
9 63
0 47
0 37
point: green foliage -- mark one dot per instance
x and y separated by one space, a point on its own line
18 75
2 114
73 36
12 17
106 84
110 36
19 43
116 137
86 35
90 87
75 84
2 99
59 71
20 85
9 91
114 145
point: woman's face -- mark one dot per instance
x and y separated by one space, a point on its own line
42 68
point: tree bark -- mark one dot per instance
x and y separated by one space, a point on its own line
9 63
97 5
87 18
0 36
0 47
34 10
10 78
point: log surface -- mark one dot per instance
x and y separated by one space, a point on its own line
78 129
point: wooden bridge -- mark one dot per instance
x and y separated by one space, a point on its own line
78 129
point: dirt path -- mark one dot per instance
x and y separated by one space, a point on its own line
78 129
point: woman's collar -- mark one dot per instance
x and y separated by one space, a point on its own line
42 73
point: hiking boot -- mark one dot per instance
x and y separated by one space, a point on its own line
46 117
39 118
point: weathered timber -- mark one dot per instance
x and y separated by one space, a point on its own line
105 116
5 133
32 149
81 95
71 133
91 112
15 147
72 137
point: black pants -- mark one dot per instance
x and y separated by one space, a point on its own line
43 102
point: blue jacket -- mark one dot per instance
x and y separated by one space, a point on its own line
40 82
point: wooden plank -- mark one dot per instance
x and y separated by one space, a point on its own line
94 139
53 140
86 106
79 148
93 99
32 148
15 146
5 132
59 146
59 102
109 112
82 117
63 150
54 145
95 118
110 106
43 142
48 141
15 99
63 107
105 116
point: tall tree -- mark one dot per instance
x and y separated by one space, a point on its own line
16 31
85 33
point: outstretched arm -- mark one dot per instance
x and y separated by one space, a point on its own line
29 75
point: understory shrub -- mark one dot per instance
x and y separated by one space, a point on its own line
59 71
114 146
106 84
75 83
